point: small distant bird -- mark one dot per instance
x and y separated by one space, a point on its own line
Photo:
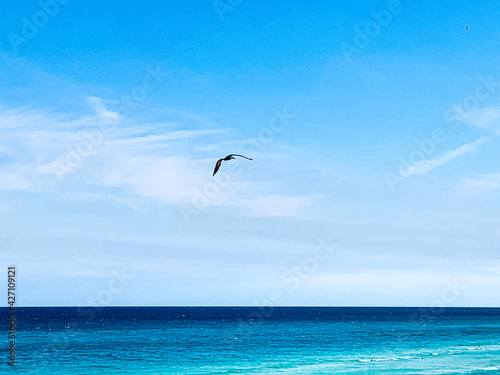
229 157
466 27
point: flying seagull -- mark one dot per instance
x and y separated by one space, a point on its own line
466 27
229 157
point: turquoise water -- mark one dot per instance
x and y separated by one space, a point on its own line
208 340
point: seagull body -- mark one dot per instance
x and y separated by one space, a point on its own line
229 157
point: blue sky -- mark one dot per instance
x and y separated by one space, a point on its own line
373 127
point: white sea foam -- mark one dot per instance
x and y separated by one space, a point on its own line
388 358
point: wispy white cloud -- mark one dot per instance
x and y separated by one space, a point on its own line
176 180
86 144
483 118
41 119
168 136
427 165
478 185
24 118
34 137
168 179
101 110
165 163
19 179
42 143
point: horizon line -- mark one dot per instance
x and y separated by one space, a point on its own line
259 306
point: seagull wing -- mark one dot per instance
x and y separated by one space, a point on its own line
240 156
217 166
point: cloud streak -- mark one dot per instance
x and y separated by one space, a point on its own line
478 185
427 165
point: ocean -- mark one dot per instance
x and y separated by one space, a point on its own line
252 340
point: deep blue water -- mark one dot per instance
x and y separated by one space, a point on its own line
252 340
